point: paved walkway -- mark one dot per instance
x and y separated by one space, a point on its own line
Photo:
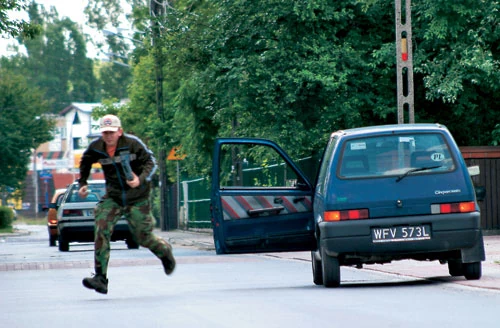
433 270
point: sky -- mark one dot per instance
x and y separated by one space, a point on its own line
72 9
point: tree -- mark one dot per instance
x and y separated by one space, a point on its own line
289 71
116 75
59 58
56 60
140 116
294 71
457 65
23 127
15 27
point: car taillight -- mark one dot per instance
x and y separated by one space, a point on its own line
463 207
72 213
330 216
53 221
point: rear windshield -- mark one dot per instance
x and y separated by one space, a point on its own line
96 191
395 155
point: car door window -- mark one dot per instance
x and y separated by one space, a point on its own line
255 171
254 166
59 199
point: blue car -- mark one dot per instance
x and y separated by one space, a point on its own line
380 194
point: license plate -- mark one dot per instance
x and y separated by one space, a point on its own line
401 233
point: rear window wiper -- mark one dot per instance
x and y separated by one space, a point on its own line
418 169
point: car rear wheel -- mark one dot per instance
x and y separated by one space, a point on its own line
472 271
455 268
317 268
131 244
331 270
52 241
63 244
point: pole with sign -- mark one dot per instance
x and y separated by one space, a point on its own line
404 62
175 154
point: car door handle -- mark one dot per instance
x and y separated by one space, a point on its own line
298 199
270 210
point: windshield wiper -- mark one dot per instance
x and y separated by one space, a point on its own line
418 169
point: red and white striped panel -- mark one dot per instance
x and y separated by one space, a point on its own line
236 207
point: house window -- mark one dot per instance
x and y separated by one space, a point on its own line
77 143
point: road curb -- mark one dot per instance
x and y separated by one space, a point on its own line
15 233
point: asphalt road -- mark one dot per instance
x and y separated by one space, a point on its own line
208 290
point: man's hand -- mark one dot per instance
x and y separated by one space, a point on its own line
83 192
135 182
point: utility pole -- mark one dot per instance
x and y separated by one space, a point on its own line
157 10
35 180
404 62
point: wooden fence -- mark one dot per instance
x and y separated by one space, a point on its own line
488 160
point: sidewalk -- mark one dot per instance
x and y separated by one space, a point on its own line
202 239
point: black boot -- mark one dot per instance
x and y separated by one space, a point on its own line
98 282
168 261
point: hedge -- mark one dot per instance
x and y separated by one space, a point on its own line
6 217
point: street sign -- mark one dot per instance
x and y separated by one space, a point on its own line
175 154
45 175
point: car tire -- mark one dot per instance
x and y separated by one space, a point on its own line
52 241
63 244
317 269
331 270
131 244
472 271
455 268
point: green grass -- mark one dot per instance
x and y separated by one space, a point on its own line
24 220
30 221
7 230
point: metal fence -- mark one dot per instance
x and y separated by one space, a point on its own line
195 204
194 196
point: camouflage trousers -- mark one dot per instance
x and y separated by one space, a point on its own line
107 214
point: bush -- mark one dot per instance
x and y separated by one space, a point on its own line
6 217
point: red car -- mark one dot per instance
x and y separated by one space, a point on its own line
52 215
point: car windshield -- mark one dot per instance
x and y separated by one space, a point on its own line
96 191
395 155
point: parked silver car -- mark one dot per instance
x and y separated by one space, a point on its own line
76 221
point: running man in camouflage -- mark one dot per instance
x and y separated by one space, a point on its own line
129 198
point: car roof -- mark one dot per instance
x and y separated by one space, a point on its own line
383 129
100 181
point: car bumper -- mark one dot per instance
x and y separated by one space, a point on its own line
52 230
448 232
85 232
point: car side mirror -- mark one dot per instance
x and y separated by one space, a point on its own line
480 193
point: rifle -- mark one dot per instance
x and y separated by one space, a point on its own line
125 159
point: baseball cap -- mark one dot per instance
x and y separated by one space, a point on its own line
110 123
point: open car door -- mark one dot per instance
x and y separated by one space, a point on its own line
260 200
